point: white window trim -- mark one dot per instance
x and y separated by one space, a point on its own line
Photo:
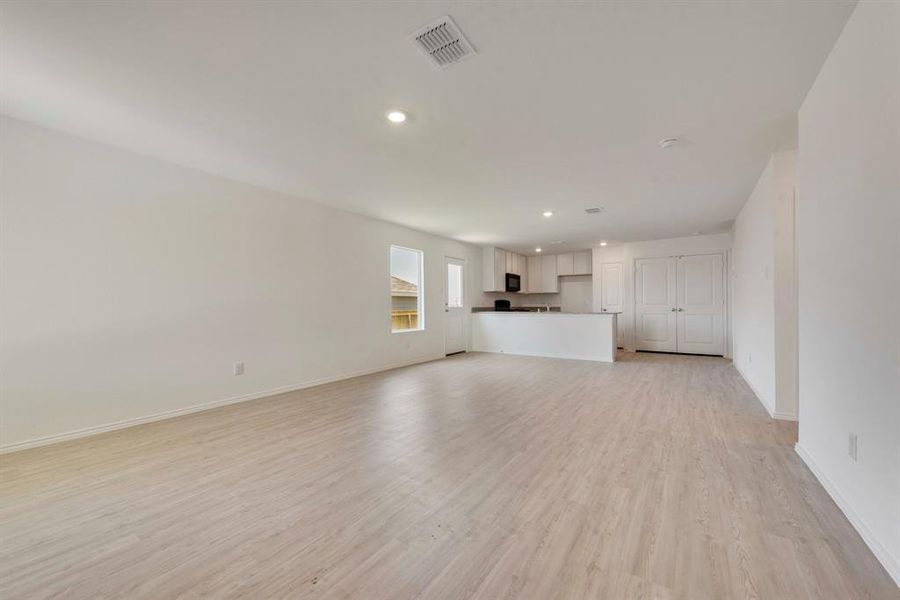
420 299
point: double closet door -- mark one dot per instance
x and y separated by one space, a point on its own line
680 304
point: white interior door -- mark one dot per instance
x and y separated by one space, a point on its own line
612 281
612 284
700 285
455 332
654 305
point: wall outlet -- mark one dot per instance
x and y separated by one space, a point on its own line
238 368
851 446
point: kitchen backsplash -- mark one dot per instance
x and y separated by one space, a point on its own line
524 299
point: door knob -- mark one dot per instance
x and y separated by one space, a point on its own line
680 310
673 309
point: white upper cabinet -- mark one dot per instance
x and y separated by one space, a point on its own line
522 271
582 263
496 263
493 269
538 274
549 275
534 274
515 264
565 264
573 263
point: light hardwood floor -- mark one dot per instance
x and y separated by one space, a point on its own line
485 476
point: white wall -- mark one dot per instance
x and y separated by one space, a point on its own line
753 285
762 278
849 275
629 252
785 269
130 286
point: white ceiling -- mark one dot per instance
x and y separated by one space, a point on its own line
561 109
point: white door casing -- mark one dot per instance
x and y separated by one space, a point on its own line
700 301
455 331
655 316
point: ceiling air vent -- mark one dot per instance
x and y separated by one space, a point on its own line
442 43
593 211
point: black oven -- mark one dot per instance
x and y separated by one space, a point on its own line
513 282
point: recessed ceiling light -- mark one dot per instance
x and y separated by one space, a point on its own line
396 116
548 213
668 142
602 243
537 249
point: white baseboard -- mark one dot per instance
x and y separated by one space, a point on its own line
890 563
94 430
756 393
784 416
775 414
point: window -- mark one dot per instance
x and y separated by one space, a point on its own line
406 290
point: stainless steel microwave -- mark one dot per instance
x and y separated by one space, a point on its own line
513 282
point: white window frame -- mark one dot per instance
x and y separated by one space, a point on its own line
420 299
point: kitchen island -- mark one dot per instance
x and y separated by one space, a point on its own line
582 336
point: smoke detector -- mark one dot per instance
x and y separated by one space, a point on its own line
442 43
